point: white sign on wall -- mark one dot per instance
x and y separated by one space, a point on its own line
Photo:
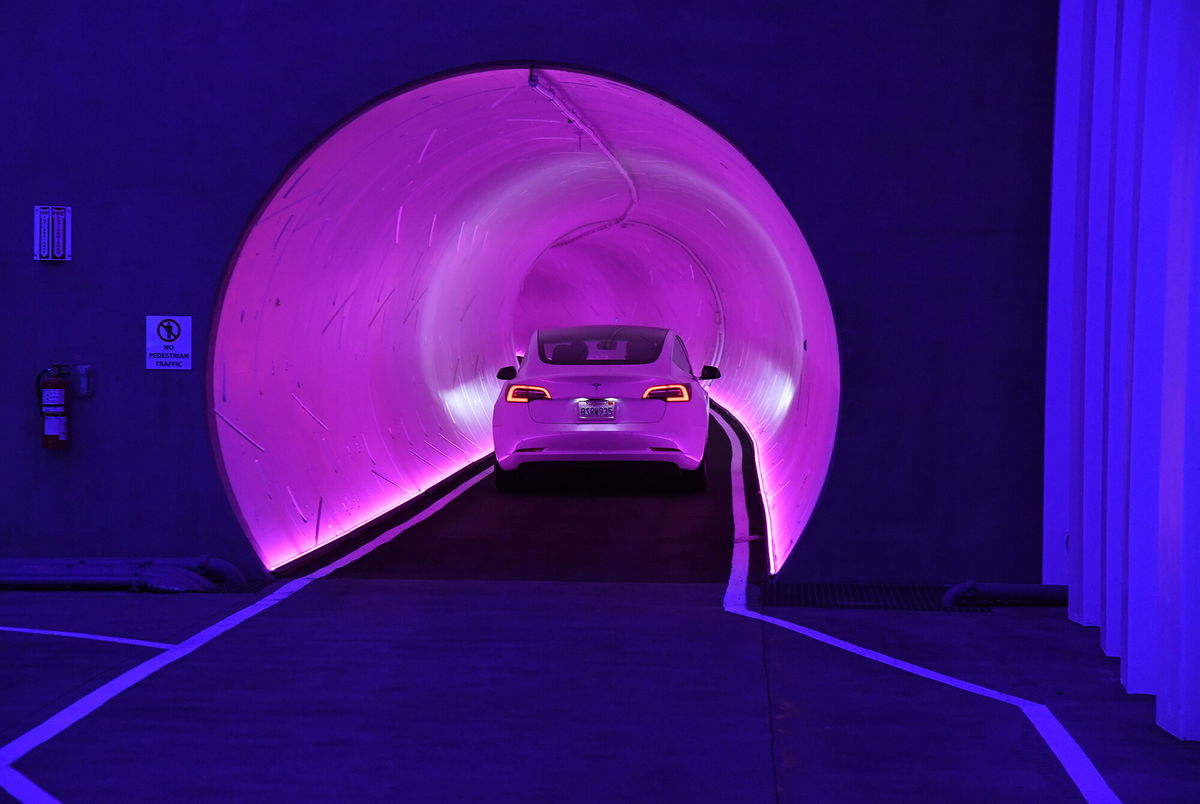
168 341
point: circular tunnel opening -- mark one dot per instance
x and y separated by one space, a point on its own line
412 251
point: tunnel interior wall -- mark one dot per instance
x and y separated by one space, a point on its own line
913 151
412 252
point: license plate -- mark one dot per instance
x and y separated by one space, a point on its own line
597 408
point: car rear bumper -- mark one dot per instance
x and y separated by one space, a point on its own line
598 442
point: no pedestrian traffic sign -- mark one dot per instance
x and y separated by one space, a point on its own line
168 341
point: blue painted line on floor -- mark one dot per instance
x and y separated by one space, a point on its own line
1074 760
22 788
26 791
142 643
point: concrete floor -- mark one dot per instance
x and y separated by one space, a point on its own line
553 646
1035 653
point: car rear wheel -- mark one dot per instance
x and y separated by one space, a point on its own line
507 481
694 480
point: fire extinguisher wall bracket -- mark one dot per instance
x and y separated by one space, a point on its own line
52 397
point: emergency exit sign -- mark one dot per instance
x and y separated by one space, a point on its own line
168 341
51 233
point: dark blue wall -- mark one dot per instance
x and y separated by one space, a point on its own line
911 141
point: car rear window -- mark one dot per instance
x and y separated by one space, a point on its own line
607 344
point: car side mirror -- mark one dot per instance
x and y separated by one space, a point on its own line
506 373
710 373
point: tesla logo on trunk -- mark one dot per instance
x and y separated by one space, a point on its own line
596 385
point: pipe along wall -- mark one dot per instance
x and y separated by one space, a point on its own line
410 253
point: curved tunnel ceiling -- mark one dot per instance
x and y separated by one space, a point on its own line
412 252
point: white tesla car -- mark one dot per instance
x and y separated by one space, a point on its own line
602 393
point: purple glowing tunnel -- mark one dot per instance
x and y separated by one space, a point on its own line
412 252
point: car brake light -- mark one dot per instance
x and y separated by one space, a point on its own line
669 393
525 393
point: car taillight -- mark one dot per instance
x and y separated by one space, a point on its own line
525 393
670 393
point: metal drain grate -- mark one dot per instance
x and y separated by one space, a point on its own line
858 596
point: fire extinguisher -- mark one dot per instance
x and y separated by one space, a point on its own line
52 394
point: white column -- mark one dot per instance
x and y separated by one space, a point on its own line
1068 249
1126 629
1174 67
1122 504
1093 608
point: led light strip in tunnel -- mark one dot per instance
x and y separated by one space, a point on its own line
411 252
